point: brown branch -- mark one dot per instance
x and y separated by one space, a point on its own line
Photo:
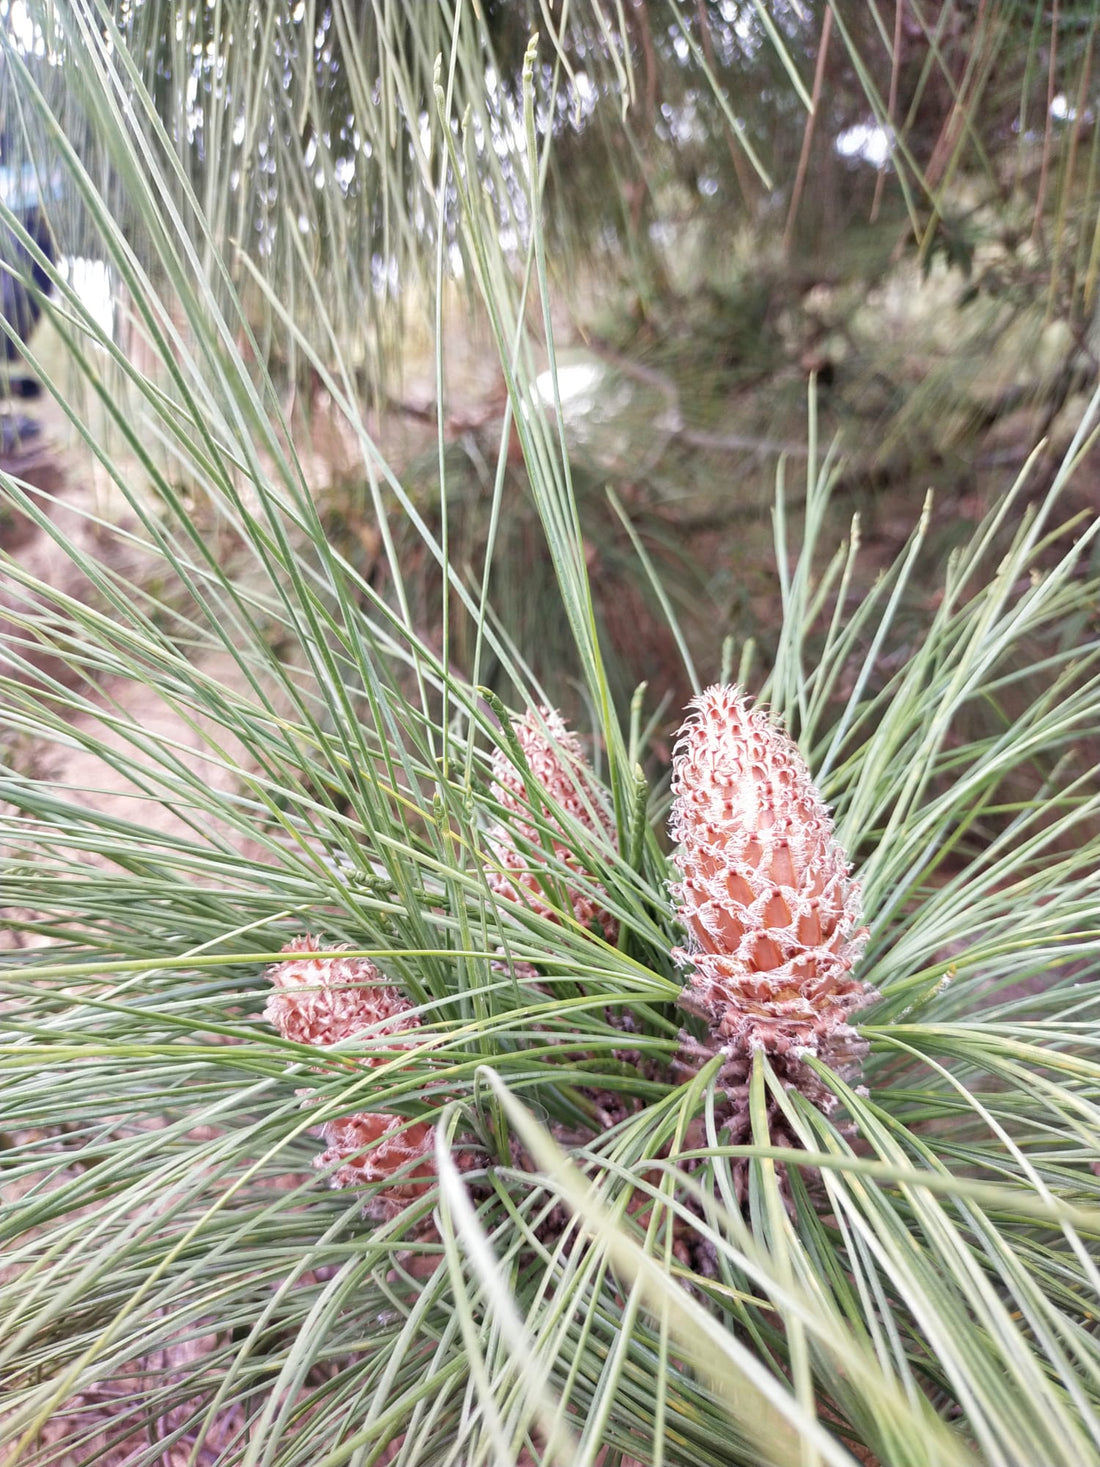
892 103
1044 167
808 133
746 179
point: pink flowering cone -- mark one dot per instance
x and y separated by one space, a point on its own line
322 998
557 764
772 915
325 997
374 1145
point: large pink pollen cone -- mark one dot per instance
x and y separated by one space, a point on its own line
771 913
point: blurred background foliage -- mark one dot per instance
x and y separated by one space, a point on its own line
895 201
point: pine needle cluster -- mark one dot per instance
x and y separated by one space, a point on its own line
629 1168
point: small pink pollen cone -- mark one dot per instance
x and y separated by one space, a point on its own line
328 997
321 998
557 765
372 1146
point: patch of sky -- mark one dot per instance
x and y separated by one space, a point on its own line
575 384
90 281
868 141
682 123
193 112
1063 110
584 97
26 35
385 275
739 31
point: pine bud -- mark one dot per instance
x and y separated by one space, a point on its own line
372 1146
322 999
556 762
772 916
